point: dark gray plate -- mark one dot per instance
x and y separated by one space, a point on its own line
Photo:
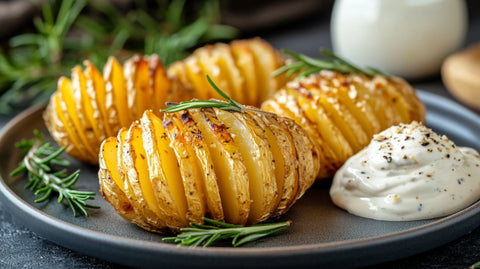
321 234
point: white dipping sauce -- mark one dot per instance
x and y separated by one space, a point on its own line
408 172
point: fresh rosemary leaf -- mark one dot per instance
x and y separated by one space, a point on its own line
39 158
304 65
232 105
206 234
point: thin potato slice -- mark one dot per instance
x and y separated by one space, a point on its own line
164 163
116 99
258 160
229 70
307 156
138 176
246 65
228 166
111 185
268 61
62 129
138 85
97 93
140 218
84 110
287 105
282 149
189 169
68 107
161 84
194 137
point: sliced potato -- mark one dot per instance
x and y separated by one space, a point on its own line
341 113
242 69
99 105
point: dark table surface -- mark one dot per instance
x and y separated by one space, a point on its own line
21 248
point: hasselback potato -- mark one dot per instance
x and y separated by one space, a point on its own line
92 106
238 167
341 112
243 69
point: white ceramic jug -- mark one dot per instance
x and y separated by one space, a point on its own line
407 38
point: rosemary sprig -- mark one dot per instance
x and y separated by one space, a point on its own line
39 158
306 65
232 105
204 235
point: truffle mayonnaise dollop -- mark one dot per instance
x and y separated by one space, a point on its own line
408 172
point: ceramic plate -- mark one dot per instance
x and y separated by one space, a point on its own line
321 234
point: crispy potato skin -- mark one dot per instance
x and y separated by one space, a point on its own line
214 168
341 113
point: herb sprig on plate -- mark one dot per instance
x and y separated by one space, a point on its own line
206 234
232 105
304 65
39 160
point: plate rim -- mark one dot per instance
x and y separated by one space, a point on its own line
468 218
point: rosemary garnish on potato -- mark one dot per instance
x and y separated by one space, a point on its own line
232 105
40 157
306 65
204 235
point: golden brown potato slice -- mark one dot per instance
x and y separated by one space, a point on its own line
161 84
229 70
138 176
96 92
90 105
111 185
207 177
307 156
228 165
285 166
61 128
164 170
246 65
287 105
258 159
140 218
68 105
189 168
268 60
84 110
138 85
